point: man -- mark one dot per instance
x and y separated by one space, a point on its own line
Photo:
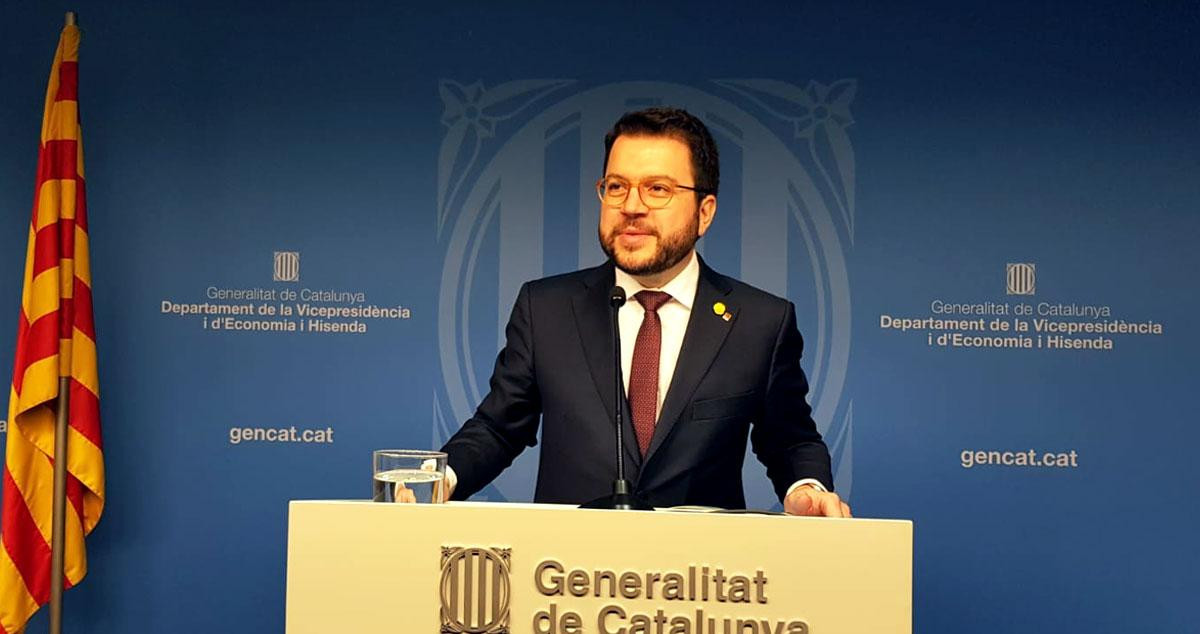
707 361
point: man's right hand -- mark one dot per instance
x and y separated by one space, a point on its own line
444 488
403 494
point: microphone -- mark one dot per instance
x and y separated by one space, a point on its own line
622 497
616 298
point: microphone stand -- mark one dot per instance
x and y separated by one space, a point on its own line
622 498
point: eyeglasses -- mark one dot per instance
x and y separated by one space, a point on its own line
655 193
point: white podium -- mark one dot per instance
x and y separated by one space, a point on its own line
542 569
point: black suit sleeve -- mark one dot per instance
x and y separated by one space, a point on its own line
785 438
507 420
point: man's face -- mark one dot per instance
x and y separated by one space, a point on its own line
648 242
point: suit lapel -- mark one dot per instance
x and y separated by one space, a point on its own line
594 321
705 334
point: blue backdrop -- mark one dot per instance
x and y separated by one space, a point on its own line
1019 164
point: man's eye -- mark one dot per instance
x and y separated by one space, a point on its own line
659 189
614 188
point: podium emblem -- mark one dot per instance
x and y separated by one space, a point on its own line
475 590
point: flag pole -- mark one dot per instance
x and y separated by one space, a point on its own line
59 525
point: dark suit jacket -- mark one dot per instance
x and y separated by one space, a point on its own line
734 379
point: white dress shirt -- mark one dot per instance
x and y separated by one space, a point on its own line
674 315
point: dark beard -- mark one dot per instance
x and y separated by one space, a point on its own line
670 251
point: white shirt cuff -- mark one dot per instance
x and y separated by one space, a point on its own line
816 484
451 481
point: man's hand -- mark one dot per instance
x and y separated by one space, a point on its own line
442 489
806 500
403 494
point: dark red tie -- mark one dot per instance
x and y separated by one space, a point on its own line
643 375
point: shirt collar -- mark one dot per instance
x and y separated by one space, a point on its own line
681 288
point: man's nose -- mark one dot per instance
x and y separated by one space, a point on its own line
633 204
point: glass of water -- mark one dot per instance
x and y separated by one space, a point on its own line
409 475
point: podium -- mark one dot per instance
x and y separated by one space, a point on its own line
549 569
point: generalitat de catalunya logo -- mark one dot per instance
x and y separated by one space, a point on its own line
287 266
475 589
1021 278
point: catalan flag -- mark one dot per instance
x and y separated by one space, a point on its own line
55 338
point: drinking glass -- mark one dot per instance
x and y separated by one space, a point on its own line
409 475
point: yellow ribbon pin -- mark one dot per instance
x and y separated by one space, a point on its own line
719 308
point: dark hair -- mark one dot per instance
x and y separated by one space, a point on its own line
679 124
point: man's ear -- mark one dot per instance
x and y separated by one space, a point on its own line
707 211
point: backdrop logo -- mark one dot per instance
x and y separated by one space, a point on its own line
287 266
475 590
516 202
1022 279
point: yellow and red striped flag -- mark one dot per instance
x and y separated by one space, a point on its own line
55 338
